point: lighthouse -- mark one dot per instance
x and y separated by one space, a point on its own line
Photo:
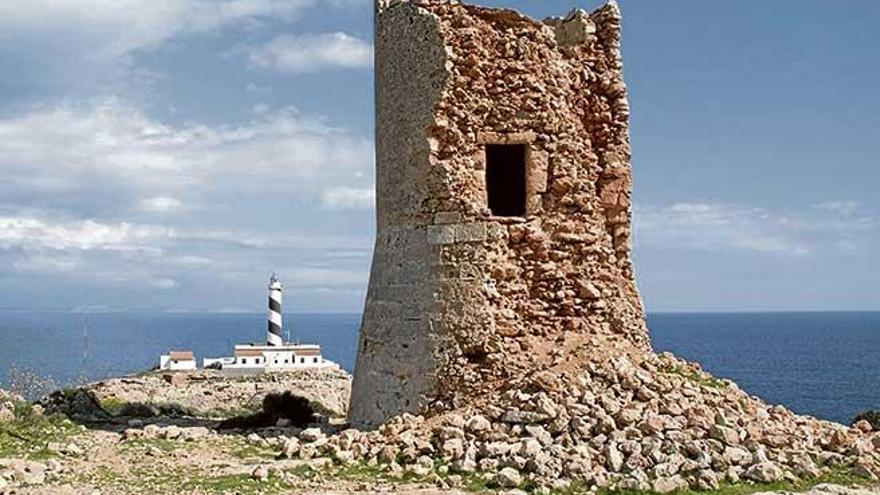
275 355
276 326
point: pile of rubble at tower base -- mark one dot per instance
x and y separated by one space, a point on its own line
649 422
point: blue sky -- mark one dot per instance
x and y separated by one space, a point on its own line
170 154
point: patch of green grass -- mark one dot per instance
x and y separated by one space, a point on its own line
479 483
139 444
253 452
101 476
69 393
363 472
839 476
474 482
147 480
577 488
112 405
695 376
239 484
303 471
358 471
29 434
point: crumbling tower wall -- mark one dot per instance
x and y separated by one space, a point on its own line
465 300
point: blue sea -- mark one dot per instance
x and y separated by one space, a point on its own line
825 364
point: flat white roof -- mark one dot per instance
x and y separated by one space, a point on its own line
285 347
278 348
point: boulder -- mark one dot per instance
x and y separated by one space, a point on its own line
613 458
724 434
311 435
865 468
260 473
477 424
291 448
151 431
7 412
736 455
804 466
507 478
452 448
669 484
194 433
516 416
764 472
175 379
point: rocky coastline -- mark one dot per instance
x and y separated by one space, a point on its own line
660 425
203 394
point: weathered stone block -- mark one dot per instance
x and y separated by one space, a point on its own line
537 179
441 234
446 217
471 232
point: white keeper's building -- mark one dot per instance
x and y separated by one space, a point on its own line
177 361
287 356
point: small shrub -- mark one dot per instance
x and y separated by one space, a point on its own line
29 433
112 404
30 384
175 410
137 410
298 410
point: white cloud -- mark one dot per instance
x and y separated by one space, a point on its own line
46 263
86 45
312 52
160 204
89 235
843 207
348 197
72 147
148 256
83 235
165 283
191 260
108 30
716 226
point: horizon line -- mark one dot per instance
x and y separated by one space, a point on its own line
256 312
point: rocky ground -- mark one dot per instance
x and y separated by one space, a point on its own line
527 444
204 393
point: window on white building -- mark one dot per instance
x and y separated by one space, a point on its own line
243 360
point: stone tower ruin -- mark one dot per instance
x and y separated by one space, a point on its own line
503 188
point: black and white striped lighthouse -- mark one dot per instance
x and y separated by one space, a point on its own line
276 326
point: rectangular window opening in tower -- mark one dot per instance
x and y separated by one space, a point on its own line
506 179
